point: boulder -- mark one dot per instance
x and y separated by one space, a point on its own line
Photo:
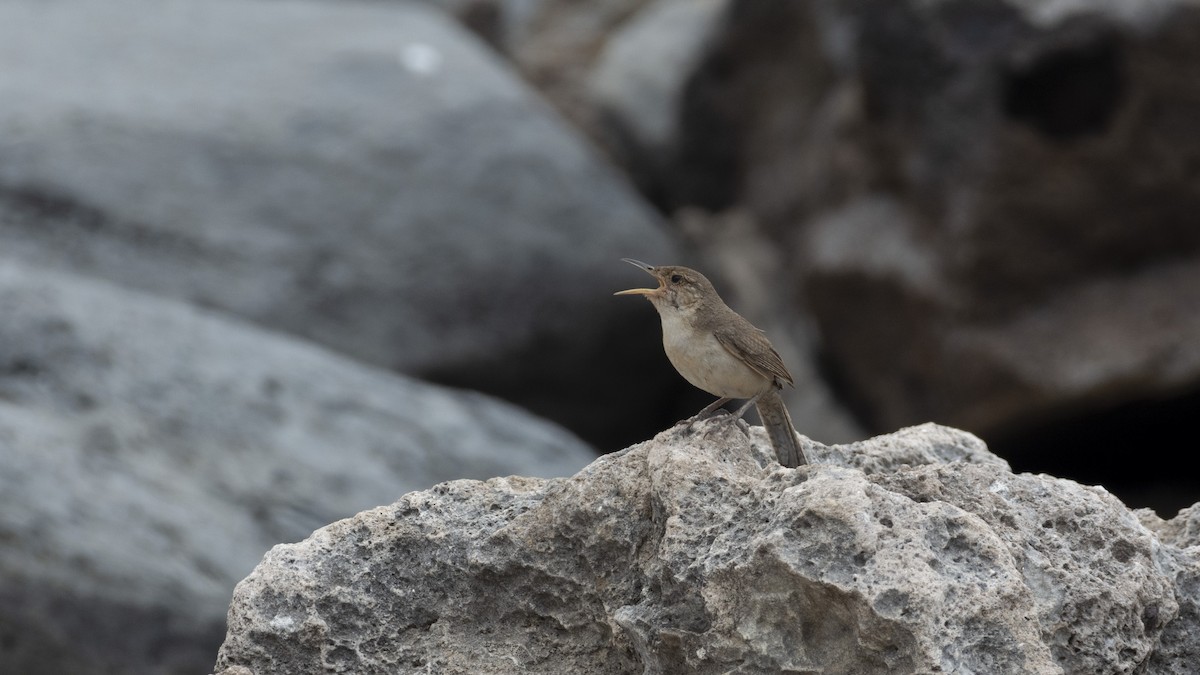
1180 650
553 43
695 552
152 451
1090 344
639 108
365 175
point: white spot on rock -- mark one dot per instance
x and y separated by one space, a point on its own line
420 58
283 622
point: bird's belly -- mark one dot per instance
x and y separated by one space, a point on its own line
706 364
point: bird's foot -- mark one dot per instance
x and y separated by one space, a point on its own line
714 424
709 410
703 415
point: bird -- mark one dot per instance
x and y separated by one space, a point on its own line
717 350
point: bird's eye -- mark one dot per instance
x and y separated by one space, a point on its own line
675 278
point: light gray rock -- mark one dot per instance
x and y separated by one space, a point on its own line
504 24
151 452
1179 646
671 35
1182 531
366 175
696 553
1179 650
553 43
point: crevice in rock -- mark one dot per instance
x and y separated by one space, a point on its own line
44 205
1067 94
1136 450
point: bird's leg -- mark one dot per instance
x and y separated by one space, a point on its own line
742 410
707 411
732 419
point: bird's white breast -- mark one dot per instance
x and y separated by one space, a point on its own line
704 363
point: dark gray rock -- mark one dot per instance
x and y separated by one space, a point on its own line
696 553
1086 344
151 452
366 175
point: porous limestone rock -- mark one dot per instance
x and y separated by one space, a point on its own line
916 552
1179 650
150 452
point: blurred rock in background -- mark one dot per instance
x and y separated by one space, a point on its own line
366 176
980 214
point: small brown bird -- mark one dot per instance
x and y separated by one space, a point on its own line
717 350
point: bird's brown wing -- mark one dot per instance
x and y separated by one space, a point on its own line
750 345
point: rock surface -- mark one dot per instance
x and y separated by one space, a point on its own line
151 452
1181 560
366 175
914 552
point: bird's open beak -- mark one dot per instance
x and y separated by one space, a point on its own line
641 291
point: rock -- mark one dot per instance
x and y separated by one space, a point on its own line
1182 531
695 553
1085 345
751 101
152 452
639 106
1180 643
500 23
365 175
1179 646
553 43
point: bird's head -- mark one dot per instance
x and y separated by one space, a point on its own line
678 287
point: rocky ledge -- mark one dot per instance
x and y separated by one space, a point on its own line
694 552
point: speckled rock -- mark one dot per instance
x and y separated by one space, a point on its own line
916 552
1179 649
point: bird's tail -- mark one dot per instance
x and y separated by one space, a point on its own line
778 422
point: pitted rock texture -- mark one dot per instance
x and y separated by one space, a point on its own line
916 552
